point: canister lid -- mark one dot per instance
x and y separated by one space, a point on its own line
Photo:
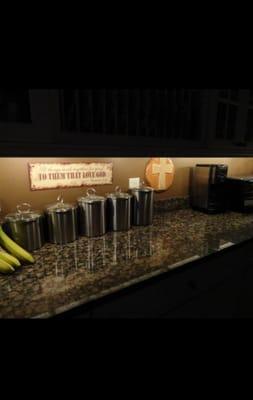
24 213
118 194
91 197
60 206
142 188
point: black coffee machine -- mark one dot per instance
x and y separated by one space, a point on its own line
239 193
207 189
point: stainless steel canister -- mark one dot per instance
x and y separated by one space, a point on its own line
62 222
92 214
119 210
143 205
26 227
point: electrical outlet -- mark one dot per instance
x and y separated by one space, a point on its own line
134 183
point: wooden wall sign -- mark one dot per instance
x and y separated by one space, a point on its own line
69 175
160 173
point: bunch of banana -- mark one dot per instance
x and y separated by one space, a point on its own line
10 262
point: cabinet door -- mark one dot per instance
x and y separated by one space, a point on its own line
232 294
227 118
133 117
221 302
26 116
247 129
245 295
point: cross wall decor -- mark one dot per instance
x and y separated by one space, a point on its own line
160 173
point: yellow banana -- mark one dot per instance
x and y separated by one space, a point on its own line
13 261
13 248
6 268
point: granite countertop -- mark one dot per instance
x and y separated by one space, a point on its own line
64 277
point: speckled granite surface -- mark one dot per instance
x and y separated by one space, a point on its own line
176 203
67 276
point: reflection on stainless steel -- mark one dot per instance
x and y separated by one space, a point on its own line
62 227
207 187
69 252
143 205
145 246
115 248
119 210
62 222
92 219
200 186
131 245
75 255
96 252
59 261
26 227
92 214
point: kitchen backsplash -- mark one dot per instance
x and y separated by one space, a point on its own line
15 187
174 203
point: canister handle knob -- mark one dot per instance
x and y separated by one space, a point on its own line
118 190
143 184
60 199
24 207
91 191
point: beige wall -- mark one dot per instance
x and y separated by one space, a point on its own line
14 181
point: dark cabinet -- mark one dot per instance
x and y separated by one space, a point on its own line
232 294
15 106
220 302
149 300
245 292
185 121
138 122
228 114
247 128
27 116
133 117
230 120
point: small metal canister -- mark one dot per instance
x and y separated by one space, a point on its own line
119 210
143 205
26 227
62 222
92 214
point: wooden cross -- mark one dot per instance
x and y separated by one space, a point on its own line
162 169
